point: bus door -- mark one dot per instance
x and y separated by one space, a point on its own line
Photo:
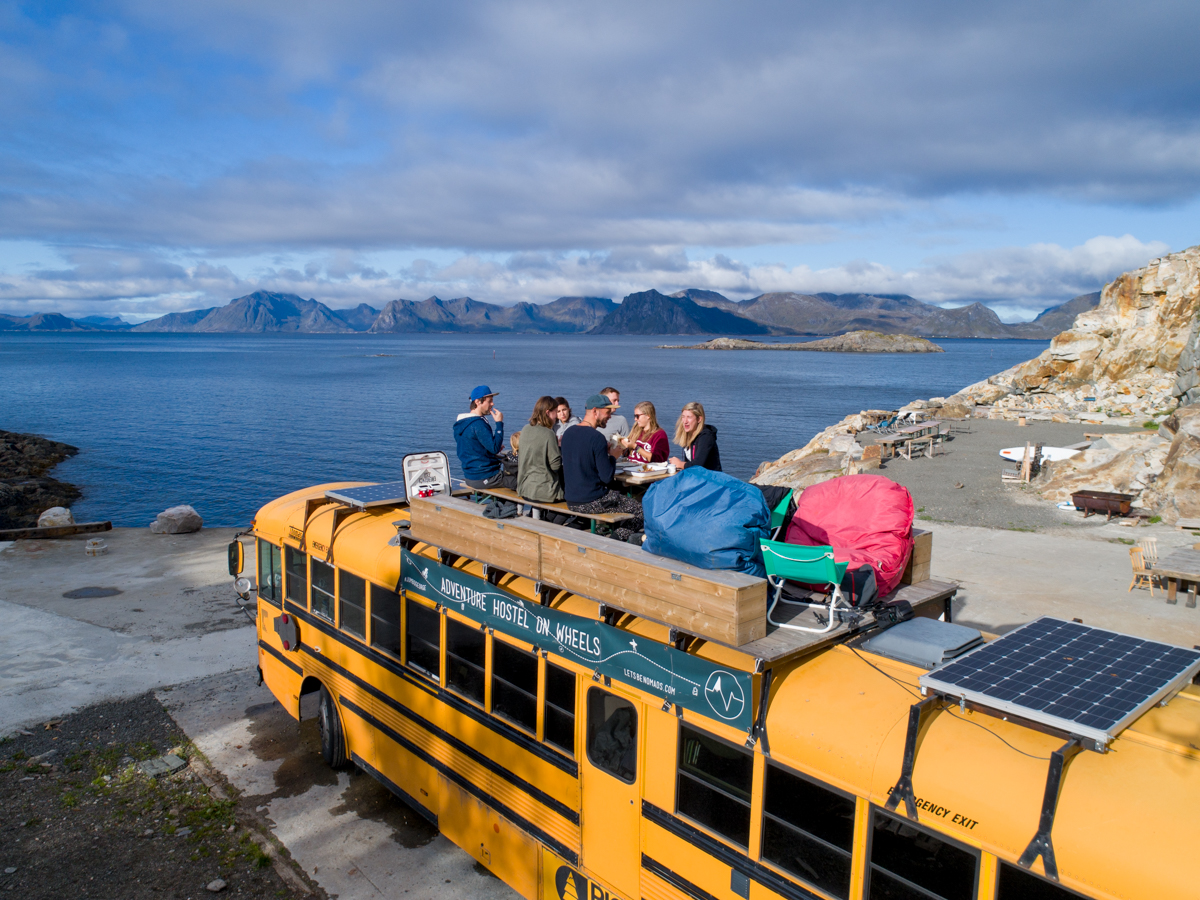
611 785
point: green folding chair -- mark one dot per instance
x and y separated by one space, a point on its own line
809 565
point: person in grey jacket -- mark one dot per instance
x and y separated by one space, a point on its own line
539 476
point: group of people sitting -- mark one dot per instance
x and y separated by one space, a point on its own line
560 457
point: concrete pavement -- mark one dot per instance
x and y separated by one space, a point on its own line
1009 577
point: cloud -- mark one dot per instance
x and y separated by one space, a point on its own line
526 125
1017 281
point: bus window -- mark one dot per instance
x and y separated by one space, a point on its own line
514 685
1017 884
714 784
907 861
385 620
297 576
352 604
466 648
808 829
424 639
270 576
322 589
612 734
558 726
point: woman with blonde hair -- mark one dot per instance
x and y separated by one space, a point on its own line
697 438
647 442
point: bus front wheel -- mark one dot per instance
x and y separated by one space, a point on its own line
333 739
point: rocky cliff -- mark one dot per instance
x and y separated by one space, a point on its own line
1133 359
1135 355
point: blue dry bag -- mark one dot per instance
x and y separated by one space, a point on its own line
707 519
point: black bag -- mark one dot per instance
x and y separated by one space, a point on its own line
508 464
858 585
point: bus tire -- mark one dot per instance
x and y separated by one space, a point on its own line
333 739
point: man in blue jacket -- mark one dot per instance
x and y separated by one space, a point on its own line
480 443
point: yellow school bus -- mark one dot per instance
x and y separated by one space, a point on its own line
578 750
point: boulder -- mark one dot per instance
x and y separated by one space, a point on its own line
1122 463
1175 494
177 520
805 472
54 517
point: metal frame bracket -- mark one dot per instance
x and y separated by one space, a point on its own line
918 713
1042 845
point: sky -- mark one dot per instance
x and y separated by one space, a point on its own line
158 157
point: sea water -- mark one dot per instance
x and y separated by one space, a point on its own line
227 422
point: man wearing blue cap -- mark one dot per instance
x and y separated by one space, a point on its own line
479 444
589 466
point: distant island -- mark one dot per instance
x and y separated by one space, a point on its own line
854 342
687 312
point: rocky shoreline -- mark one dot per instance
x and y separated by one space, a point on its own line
26 490
851 342
1133 361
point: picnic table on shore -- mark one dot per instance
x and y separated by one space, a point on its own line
909 437
1180 568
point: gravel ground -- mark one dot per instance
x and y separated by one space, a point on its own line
78 819
973 461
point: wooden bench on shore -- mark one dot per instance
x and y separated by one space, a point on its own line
615 518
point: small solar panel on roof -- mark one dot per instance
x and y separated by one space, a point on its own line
368 495
1082 680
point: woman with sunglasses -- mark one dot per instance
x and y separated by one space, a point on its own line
647 441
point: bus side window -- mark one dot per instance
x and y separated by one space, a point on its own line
514 685
297 576
808 829
908 861
385 620
558 724
352 604
1017 884
714 784
270 578
612 734
466 651
424 638
322 589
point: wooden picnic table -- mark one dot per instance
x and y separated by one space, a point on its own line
907 435
633 479
1182 567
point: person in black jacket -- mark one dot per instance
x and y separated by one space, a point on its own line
589 466
698 440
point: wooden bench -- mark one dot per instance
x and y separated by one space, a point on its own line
728 607
512 496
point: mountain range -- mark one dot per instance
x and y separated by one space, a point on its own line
647 312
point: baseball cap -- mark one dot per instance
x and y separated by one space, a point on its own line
599 401
482 391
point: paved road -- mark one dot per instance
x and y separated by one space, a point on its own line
174 626
344 828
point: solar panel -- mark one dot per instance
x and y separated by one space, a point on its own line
368 495
1085 681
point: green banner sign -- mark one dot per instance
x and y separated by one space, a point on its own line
695 684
